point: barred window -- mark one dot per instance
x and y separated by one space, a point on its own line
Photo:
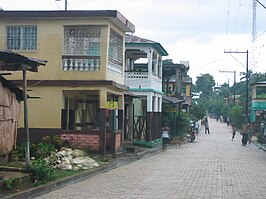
21 37
82 40
115 54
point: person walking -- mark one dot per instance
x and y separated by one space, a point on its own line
250 132
233 132
244 133
206 124
165 136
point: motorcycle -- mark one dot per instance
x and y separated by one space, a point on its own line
191 135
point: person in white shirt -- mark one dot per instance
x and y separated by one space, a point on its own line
165 136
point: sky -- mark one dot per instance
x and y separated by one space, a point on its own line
198 31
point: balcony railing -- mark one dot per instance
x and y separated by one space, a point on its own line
136 75
80 63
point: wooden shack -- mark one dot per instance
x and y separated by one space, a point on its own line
10 98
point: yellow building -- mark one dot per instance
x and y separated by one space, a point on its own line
81 88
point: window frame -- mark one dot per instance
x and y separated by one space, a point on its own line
23 37
115 52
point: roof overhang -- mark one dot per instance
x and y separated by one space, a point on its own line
10 61
112 15
172 100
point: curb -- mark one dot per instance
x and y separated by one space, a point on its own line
42 189
260 146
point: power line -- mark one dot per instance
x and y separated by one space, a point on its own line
261 4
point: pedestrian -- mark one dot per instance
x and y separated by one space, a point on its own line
233 132
165 136
206 124
227 121
244 133
197 127
262 127
249 129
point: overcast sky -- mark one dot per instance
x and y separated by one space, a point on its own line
198 31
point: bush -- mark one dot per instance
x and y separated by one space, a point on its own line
235 115
260 138
42 171
21 151
182 124
44 150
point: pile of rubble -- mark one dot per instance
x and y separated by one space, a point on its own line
69 159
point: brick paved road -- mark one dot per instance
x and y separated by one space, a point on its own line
212 167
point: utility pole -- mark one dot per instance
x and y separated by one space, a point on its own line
65 3
247 79
226 71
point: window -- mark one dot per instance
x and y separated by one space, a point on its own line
115 54
21 37
82 40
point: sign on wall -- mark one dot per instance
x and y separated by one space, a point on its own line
111 105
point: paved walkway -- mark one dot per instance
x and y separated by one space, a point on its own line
211 167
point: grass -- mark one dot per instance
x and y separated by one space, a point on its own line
59 174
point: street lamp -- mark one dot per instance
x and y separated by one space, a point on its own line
65 3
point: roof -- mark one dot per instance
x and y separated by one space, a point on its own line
170 70
113 15
10 61
12 87
173 100
258 83
134 40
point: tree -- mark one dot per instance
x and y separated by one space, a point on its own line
205 84
258 77
235 115
198 110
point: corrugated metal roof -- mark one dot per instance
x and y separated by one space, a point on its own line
12 87
134 40
173 100
10 61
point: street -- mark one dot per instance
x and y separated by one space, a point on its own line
212 167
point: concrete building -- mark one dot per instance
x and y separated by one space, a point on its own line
81 89
143 76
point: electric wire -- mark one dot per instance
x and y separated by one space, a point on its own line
237 15
247 17
228 12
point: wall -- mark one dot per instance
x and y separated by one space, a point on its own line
50 44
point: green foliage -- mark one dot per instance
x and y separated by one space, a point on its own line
58 143
182 121
260 138
235 115
46 140
41 150
44 150
9 183
258 77
198 110
42 171
21 150
205 84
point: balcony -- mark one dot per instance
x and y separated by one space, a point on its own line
143 79
80 63
136 75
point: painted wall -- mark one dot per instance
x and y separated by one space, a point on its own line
50 37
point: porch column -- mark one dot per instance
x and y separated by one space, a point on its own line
121 103
149 56
149 118
102 120
156 65
156 121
